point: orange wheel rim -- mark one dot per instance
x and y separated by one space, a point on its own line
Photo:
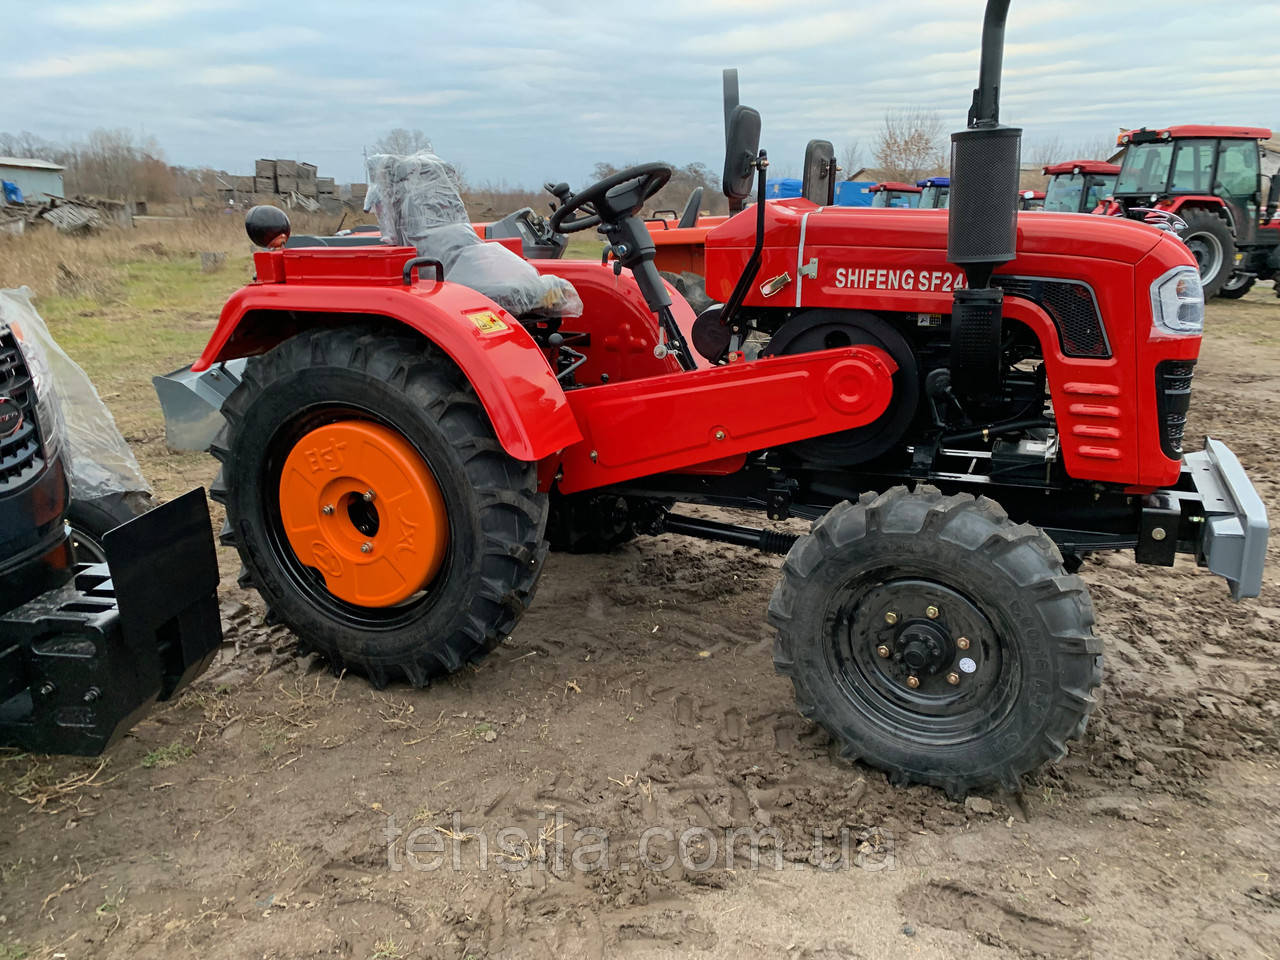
359 504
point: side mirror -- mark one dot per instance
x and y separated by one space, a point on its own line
742 145
819 173
1273 196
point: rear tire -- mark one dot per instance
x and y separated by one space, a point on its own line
1006 665
1209 239
495 514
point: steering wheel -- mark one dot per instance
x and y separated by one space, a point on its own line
611 199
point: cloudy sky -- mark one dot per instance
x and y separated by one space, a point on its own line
522 91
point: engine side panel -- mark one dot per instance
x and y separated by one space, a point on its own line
1105 406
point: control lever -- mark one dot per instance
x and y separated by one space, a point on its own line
560 191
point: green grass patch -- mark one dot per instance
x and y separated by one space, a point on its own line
169 756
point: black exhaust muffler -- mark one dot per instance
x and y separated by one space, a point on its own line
982 228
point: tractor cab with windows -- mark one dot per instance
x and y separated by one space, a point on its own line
1079 186
935 193
1210 179
903 196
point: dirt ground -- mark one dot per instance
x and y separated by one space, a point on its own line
277 811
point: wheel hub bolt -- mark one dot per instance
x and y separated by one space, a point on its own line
890 618
883 650
366 547
368 496
963 643
953 678
327 509
931 612
913 681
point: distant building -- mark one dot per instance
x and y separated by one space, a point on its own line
37 179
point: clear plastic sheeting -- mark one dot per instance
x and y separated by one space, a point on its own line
100 460
417 202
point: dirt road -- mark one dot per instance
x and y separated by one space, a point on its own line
279 812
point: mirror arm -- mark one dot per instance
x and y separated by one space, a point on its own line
752 268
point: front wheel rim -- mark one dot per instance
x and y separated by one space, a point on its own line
1207 250
882 632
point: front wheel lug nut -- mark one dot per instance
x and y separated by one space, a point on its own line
913 681
931 612
890 618
366 548
963 643
368 496
953 678
883 651
327 509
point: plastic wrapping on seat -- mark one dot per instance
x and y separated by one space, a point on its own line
100 461
417 202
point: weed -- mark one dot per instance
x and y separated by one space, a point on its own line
386 949
169 756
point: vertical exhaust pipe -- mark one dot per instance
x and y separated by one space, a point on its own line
982 228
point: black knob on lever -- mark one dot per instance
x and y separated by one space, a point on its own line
560 191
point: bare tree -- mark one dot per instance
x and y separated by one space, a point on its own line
1097 147
403 142
911 144
851 159
27 146
1046 151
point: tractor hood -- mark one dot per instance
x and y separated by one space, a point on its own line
795 220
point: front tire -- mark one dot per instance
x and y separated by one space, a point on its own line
1210 241
937 640
1234 288
90 520
461 521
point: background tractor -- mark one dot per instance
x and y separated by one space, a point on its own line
1031 200
963 404
1211 179
1079 186
935 193
902 196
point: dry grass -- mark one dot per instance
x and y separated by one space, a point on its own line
92 266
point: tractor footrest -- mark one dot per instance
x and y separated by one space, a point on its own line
79 665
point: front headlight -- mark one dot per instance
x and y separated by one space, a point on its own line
1177 303
48 407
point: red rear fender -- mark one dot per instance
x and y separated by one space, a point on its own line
509 372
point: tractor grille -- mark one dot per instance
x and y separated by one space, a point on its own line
1072 307
20 458
1173 400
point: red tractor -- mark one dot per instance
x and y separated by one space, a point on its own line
1031 200
1079 186
901 196
964 404
1210 180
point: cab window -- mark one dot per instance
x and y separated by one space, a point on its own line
1193 167
1238 168
1146 168
1099 189
1063 193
